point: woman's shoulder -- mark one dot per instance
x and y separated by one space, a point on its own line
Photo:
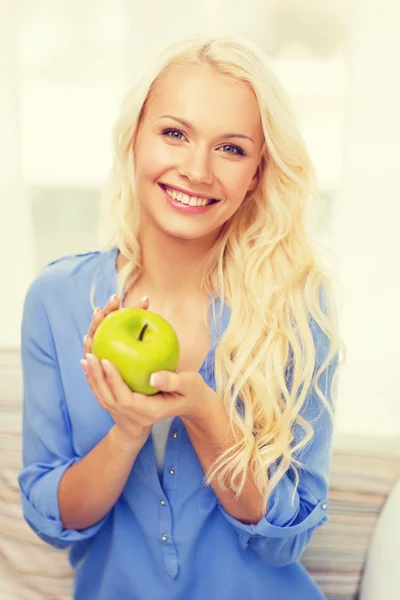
70 273
70 264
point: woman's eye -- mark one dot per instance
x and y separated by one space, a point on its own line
237 150
173 131
176 134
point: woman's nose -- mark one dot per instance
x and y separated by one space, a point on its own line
197 167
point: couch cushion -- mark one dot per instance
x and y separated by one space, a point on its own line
29 568
359 485
384 552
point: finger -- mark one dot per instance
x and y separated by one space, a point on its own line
99 314
117 385
87 345
150 409
182 383
146 412
143 303
112 304
97 317
98 383
88 373
92 383
85 366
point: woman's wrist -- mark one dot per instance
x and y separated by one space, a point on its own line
123 442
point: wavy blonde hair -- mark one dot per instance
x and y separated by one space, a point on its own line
263 267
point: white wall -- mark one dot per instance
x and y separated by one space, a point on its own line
366 224
16 248
366 215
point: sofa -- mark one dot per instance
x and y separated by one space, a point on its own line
352 557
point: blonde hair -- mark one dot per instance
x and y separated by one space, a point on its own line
263 267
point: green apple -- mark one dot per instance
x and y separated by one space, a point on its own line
138 342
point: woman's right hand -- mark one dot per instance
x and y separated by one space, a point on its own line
127 430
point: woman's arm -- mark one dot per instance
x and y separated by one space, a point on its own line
50 460
66 497
283 533
90 487
210 440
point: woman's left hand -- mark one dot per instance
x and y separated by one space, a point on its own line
194 399
184 394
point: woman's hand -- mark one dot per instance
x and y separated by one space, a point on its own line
127 428
183 394
99 314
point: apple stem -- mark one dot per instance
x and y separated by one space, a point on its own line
141 334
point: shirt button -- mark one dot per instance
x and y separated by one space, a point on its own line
164 538
324 506
171 471
162 502
175 434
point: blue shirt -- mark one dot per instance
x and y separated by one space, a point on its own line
165 538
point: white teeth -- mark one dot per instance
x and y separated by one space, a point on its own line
185 199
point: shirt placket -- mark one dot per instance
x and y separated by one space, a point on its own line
166 492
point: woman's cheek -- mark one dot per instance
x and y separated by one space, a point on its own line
233 182
162 156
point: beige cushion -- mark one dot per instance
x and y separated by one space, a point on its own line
360 482
29 568
381 579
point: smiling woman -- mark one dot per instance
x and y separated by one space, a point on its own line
213 487
196 159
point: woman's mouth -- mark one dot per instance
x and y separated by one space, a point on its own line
185 203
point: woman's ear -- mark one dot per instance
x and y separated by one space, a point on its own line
254 181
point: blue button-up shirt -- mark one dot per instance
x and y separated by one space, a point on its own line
166 538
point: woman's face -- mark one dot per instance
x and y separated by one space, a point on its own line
213 153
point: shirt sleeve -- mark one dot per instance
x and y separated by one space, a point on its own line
282 535
47 442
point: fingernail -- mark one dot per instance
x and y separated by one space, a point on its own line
106 365
84 338
84 365
96 311
143 300
157 379
113 297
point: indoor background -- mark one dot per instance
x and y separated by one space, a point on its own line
64 68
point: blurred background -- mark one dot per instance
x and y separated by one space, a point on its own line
64 67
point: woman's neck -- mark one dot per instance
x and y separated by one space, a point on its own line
172 267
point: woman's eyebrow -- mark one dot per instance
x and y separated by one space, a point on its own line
190 126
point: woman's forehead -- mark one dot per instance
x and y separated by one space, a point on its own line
199 94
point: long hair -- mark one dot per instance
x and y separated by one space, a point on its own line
263 266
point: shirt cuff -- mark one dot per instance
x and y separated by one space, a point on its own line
42 512
266 528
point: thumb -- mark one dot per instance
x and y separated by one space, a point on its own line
170 381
